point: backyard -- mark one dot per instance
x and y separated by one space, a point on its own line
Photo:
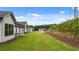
36 41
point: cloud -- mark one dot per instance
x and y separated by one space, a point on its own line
32 14
37 19
21 18
35 14
62 12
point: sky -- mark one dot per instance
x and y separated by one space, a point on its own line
41 15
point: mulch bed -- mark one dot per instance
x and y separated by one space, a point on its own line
72 41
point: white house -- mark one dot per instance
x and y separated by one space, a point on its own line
19 29
24 25
42 29
30 28
10 28
7 26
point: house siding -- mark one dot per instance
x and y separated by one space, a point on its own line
17 31
25 28
21 30
8 19
0 31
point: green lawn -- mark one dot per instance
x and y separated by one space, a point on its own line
36 41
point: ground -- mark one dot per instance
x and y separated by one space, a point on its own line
36 41
65 37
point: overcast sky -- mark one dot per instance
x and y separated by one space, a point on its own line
41 15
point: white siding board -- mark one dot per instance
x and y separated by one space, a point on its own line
21 30
0 31
25 28
17 32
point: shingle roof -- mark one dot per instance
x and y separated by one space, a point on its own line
4 13
23 23
17 24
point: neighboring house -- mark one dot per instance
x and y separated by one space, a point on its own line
30 28
42 29
7 25
19 29
24 25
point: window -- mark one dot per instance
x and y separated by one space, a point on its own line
8 29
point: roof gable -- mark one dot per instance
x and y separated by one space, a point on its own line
5 13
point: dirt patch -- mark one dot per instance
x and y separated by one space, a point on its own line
69 40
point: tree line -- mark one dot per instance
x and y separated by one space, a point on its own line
71 26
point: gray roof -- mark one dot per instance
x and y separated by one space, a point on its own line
4 13
23 23
18 24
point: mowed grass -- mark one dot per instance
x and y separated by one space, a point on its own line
36 41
